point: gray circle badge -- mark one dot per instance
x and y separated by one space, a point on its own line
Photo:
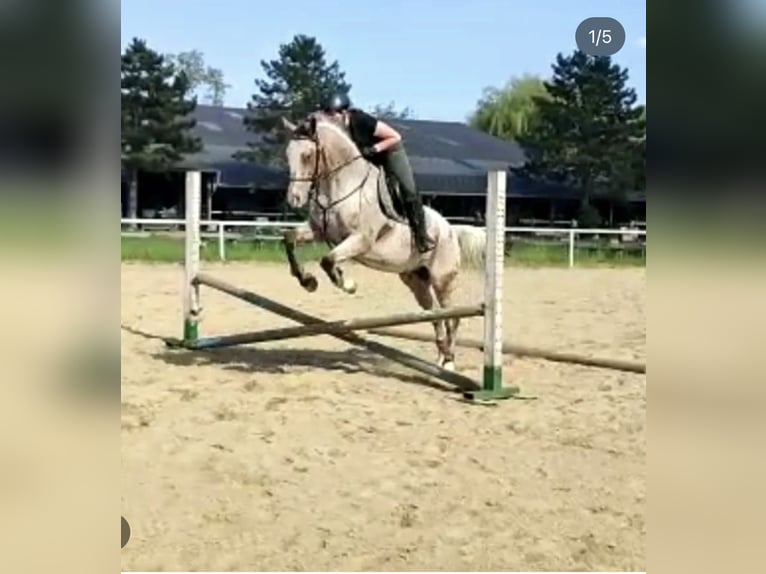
125 532
600 36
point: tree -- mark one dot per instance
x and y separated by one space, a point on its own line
588 135
511 111
389 111
216 86
639 157
155 115
192 63
295 85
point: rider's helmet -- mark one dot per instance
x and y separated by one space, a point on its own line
337 103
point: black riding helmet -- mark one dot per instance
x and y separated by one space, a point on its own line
337 103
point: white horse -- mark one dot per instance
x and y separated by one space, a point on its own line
344 194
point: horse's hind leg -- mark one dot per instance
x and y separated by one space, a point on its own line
444 289
353 246
420 285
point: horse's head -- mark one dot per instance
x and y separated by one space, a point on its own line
319 147
303 158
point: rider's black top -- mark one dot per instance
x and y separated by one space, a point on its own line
362 128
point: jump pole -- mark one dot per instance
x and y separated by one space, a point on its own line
523 351
325 328
414 362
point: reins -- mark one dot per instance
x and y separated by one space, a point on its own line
316 177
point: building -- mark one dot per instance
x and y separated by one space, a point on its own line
450 161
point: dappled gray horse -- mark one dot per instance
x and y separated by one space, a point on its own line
343 190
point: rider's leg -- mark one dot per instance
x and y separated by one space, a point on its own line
397 163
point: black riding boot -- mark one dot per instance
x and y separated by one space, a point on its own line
417 219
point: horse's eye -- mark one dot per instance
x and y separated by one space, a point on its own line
307 156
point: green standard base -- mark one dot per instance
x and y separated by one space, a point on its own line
176 343
191 334
191 330
489 395
493 389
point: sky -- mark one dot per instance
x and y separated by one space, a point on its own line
433 56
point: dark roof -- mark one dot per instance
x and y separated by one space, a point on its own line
458 143
448 157
222 126
223 134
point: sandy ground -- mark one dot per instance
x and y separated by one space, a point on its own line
312 455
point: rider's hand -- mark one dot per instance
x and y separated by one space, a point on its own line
369 152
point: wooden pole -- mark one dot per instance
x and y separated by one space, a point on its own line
416 363
523 351
343 326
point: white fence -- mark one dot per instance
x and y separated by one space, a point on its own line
219 227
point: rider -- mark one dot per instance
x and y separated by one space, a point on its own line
382 145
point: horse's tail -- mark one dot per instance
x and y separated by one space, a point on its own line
473 244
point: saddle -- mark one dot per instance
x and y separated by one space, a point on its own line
389 199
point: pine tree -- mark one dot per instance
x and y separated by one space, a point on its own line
296 84
589 135
155 115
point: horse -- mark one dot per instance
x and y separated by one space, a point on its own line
343 191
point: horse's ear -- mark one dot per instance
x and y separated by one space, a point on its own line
288 125
312 124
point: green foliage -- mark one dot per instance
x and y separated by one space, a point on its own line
200 75
511 111
296 84
389 111
589 135
155 111
216 86
588 216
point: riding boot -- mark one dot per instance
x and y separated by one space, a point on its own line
416 217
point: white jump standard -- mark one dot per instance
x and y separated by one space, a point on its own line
490 388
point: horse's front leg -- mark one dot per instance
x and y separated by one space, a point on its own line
353 246
291 239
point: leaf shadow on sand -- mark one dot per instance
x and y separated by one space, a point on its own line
277 361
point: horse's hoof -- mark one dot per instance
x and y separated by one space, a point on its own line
309 283
449 366
349 286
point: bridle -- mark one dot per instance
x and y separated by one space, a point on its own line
320 175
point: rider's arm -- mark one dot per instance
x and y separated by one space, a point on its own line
389 137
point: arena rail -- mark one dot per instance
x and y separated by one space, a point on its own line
221 227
